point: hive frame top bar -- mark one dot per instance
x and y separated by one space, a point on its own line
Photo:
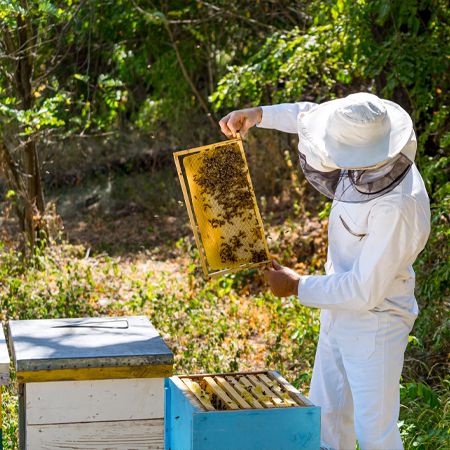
202 375
192 219
294 394
205 147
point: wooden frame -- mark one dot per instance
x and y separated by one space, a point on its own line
229 384
188 203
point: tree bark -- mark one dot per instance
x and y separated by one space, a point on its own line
24 75
15 182
21 47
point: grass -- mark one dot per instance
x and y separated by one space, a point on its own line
425 418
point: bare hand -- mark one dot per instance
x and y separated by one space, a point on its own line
240 121
283 282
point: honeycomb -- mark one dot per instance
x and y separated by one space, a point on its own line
225 207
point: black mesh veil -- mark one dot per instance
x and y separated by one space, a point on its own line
357 186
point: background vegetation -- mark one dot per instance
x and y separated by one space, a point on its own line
96 95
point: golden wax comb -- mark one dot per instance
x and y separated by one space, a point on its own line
222 207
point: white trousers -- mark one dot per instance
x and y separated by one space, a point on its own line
356 378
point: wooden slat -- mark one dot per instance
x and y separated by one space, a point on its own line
295 394
207 406
123 435
235 374
226 400
234 381
205 147
277 401
187 393
207 388
235 269
248 383
95 373
95 401
232 392
275 388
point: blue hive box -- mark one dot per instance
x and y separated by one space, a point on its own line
197 419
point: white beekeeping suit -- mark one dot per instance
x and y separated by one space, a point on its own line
360 152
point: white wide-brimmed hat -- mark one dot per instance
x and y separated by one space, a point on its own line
358 132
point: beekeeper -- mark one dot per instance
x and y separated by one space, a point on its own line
358 151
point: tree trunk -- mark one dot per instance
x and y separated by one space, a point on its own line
24 76
16 183
22 49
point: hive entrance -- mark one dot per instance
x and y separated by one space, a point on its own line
225 216
254 390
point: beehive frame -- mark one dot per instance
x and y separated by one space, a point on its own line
192 217
237 391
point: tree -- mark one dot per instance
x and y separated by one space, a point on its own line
31 35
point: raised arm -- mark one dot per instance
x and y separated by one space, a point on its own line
281 117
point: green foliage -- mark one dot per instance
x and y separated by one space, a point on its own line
10 416
425 419
414 391
72 296
326 211
287 66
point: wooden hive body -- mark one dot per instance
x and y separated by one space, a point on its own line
222 207
90 384
192 426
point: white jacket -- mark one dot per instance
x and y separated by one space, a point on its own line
372 245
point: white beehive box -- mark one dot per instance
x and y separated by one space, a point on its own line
90 384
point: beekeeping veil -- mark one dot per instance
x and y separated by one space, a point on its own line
357 148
